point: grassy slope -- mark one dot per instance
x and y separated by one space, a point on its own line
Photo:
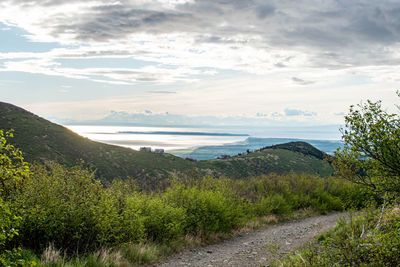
42 140
267 161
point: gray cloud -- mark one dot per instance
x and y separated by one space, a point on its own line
301 81
264 11
334 34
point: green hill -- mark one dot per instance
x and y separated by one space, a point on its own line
301 147
290 157
41 140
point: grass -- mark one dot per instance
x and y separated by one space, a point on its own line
267 161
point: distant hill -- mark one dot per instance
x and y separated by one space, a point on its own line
290 157
301 147
251 143
41 140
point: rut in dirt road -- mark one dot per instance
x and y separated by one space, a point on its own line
257 248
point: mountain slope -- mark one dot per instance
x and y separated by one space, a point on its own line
41 140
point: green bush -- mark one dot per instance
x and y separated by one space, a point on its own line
163 222
325 202
119 218
206 210
274 204
57 207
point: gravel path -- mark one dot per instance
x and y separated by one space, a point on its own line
257 248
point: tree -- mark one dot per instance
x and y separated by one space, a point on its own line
371 152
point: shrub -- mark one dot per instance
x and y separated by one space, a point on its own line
325 202
206 210
162 221
274 204
57 205
119 218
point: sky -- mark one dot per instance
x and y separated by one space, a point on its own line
275 62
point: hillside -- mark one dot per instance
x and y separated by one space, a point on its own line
41 140
290 157
251 143
300 147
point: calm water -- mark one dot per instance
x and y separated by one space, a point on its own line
169 138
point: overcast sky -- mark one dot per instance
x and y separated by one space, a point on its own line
278 61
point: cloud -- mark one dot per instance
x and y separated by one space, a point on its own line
297 112
301 81
260 114
162 92
183 36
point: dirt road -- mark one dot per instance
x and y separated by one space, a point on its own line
257 248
